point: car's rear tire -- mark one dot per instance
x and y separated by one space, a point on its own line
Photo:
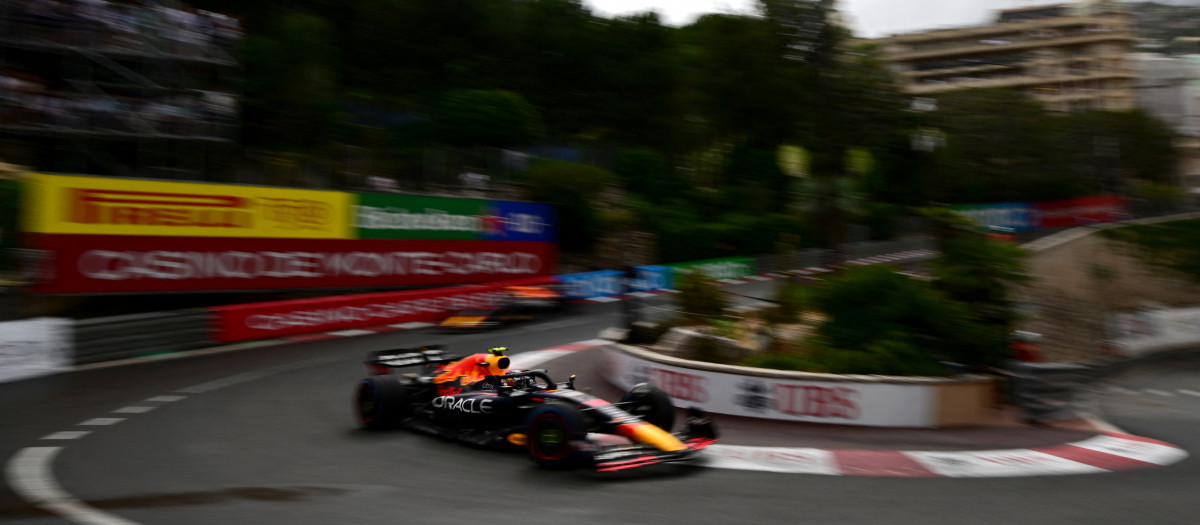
651 404
552 431
380 402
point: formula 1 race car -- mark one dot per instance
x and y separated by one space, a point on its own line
511 304
478 401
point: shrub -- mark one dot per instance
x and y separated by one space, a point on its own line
789 303
700 299
879 321
893 353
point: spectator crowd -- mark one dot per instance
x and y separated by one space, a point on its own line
134 25
25 100
116 26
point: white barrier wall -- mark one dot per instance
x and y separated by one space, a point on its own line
33 347
868 401
1143 332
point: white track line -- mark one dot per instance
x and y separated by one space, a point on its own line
31 477
165 399
102 421
136 409
68 434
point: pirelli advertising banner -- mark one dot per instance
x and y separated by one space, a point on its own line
103 235
105 206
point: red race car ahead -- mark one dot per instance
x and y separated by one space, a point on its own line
477 400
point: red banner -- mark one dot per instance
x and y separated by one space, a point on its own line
274 319
98 264
1083 210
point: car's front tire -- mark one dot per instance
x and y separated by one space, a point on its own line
651 404
552 432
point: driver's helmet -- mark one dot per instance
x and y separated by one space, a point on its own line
495 360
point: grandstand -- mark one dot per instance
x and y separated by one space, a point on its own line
135 88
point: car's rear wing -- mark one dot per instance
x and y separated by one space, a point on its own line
381 362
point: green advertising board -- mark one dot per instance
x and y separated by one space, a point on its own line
417 217
725 268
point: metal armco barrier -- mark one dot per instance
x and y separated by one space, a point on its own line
860 250
820 256
1046 391
126 336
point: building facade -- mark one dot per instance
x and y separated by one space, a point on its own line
1070 57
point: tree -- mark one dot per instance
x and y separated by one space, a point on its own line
477 117
1000 148
648 174
1107 150
979 273
639 90
290 83
743 93
570 187
753 182
881 322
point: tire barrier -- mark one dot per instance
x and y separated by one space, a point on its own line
127 336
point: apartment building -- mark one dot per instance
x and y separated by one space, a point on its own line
1071 57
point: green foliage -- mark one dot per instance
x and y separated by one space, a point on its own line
741 83
478 117
1173 245
699 298
1110 148
1154 198
789 299
1001 146
827 203
570 187
978 271
1004 141
753 182
648 174
290 95
979 274
873 312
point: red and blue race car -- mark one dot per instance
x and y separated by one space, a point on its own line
510 305
479 401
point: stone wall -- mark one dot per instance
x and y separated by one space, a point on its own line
1081 279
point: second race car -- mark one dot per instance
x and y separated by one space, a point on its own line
511 304
478 400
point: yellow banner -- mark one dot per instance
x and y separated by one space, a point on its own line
96 205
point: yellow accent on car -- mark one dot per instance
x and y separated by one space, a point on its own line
652 435
463 321
518 439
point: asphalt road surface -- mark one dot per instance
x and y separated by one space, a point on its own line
265 436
